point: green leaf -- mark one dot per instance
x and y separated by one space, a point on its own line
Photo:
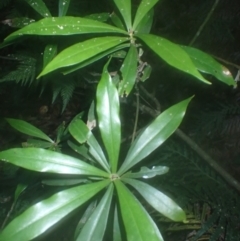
108 116
82 134
146 72
43 215
42 160
40 7
64 182
146 173
124 7
117 21
21 187
102 17
63 7
138 224
64 26
206 64
144 7
155 134
173 54
146 23
95 58
28 129
129 72
158 200
96 224
37 143
80 52
50 52
18 22
116 226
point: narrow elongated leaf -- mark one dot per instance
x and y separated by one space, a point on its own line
108 116
28 129
21 187
40 7
158 200
95 227
173 54
206 64
124 7
43 215
129 72
18 22
116 226
144 7
64 26
102 17
146 173
64 182
80 52
155 134
81 133
42 160
50 52
63 7
117 21
138 224
146 23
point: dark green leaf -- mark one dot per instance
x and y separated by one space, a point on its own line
146 173
108 116
155 134
96 224
43 215
124 7
42 160
64 26
173 54
28 129
206 64
129 72
63 7
21 187
101 17
146 73
116 227
138 224
40 7
37 143
49 53
117 21
158 200
18 22
144 7
146 23
81 52
64 182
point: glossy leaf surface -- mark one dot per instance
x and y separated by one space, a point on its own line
144 7
172 53
96 224
28 129
146 23
137 222
206 64
43 215
65 26
146 173
129 72
42 160
80 52
155 134
158 200
40 7
124 7
63 7
108 116
50 52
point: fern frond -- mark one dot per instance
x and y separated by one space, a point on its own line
25 72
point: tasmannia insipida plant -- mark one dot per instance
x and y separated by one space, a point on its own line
107 172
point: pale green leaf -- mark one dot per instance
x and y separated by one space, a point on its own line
172 53
63 7
81 52
42 160
144 7
155 134
43 215
158 200
96 224
124 8
28 129
146 173
207 64
129 72
64 26
116 226
146 23
108 116
40 7
137 222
